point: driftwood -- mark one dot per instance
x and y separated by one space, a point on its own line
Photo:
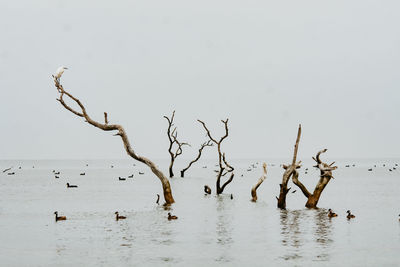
224 166
289 171
172 137
208 143
325 177
262 178
121 132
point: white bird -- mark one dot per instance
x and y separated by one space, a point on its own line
60 72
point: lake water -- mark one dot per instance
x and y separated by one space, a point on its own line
211 230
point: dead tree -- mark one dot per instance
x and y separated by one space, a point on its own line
224 167
325 177
172 136
208 143
121 132
255 187
289 171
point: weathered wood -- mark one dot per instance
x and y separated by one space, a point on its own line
173 139
120 132
260 181
289 170
224 166
325 177
205 144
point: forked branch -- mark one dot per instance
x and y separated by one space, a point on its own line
224 166
205 144
173 140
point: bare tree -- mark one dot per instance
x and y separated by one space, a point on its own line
173 139
224 167
289 171
208 143
325 177
255 187
121 132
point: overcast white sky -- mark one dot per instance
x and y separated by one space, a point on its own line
332 66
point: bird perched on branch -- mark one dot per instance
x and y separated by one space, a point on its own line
60 72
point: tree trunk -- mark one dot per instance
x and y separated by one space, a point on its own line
289 170
171 172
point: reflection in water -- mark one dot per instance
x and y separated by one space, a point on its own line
224 227
323 233
291 234
294 232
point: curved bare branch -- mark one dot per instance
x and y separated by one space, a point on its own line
121 132
255 187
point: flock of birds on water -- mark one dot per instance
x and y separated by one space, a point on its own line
207 190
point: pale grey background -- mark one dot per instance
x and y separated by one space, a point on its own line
267 65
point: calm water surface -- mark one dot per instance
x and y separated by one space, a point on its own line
210 230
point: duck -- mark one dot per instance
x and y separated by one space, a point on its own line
82 173
158 199
370 169
130 176
56 173
118 217
331 214
171 217
71 185
59 218
349 215
207 189
231 196
141 173
56 176
121 179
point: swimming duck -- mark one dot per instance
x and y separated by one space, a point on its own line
171 217
71 185
121 179
130 176
141 173
207 189
59 218
82 173
331 214
349 215
117 217
158 199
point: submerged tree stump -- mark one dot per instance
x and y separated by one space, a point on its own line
289 171
325 177
260 181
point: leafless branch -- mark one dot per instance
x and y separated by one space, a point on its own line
121 132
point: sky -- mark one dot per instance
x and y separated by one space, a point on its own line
331 66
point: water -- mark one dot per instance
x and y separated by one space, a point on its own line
210 230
